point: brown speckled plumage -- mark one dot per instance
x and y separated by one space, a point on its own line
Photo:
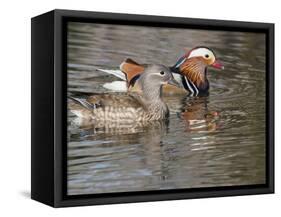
128 107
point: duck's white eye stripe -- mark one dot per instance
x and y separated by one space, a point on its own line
201 52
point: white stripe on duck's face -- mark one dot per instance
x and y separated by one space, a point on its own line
205 53
201 51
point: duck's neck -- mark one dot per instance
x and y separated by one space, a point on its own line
195 71
152 99
151 93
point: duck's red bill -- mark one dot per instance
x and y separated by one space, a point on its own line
217 65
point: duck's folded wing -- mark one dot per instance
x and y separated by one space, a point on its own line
131 69
128 69
114 100
116 73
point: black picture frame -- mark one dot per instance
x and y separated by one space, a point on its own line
49 111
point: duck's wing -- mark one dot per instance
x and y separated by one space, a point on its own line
83 107
128 70
117 100
128 73
117 73
131 69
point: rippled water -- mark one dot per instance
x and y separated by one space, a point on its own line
217 140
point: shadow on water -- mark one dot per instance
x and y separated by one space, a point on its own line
214 140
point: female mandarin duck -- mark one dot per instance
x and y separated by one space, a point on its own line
190 71
132 106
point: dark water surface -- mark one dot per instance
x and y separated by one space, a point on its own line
218 141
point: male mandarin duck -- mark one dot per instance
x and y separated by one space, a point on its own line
190 71
129 107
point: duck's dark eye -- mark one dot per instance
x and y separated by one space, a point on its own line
162 73
207 55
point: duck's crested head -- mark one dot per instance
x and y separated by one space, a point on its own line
152 80
205 54
157 75
193 65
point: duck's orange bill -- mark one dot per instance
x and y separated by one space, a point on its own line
217 65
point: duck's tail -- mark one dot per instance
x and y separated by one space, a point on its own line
129 69
81 107
83 102
119 86
117 73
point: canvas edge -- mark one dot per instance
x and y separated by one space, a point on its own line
59 200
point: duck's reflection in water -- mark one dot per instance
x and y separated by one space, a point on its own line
119 129
197 116
194 112
125 155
